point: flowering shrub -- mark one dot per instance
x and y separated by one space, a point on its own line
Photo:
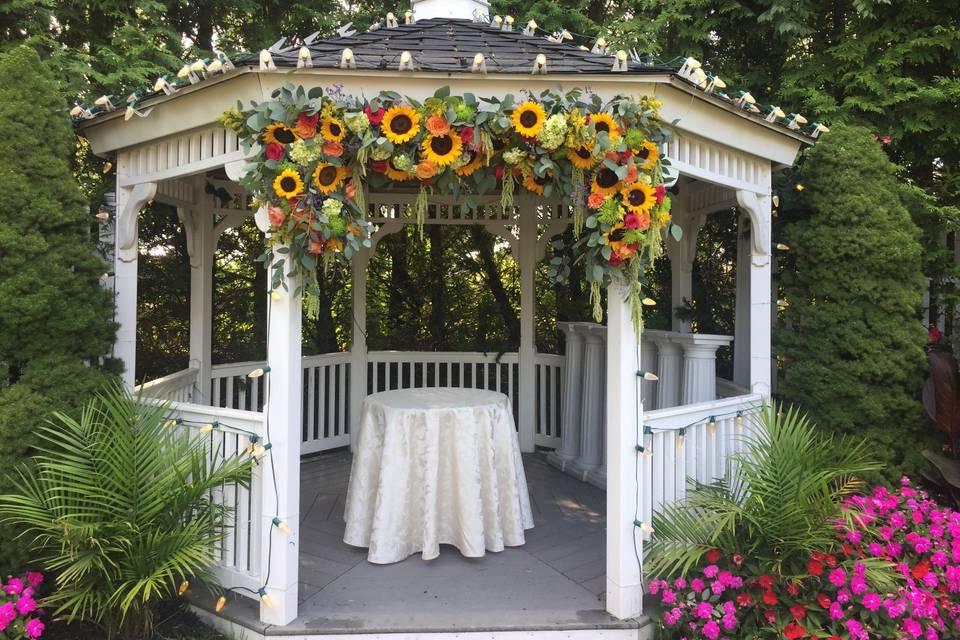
18 608
893 572
315 152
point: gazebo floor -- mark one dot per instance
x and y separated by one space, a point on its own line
556 581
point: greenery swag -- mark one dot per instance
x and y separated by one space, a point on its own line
314 150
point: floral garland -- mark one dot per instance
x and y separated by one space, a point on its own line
313 151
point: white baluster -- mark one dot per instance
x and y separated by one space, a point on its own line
700 366
591 403
573 388
669 370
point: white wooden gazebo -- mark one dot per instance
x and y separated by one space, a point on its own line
641 454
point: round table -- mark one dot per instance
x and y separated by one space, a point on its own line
432 467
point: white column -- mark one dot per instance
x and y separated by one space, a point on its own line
130 200
758 207
572 388
591 403
700 366
669 370
358 345
201 247
598 475
624 595
528 347
682 254
284 402
741 323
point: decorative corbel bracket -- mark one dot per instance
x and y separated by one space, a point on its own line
191 229
133 200
761 222
683 252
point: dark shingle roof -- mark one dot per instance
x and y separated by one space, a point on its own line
449 45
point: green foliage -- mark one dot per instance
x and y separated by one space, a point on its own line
118 506
780 506
851 344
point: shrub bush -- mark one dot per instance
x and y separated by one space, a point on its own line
118 506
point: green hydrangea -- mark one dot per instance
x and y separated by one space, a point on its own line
461 161
553 132
403 162
331 208
356 122
513 156
304 154
380 153
336 224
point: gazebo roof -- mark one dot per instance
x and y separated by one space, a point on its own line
448 44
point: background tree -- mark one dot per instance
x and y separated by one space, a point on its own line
56 321
851 341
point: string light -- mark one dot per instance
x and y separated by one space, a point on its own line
738 421
347 61
281 525
643 526
391 20
712 426
183 587
799 186
264 598
681 434
221 603
782 247
170 424
406 61
650 302
646 451
210 426
304 59
776 200
647 375
531 28
103 215
259 372
479 65
539 65
620 62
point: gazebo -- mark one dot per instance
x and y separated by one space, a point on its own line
637 442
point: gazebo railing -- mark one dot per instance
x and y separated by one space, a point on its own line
327 379
178 387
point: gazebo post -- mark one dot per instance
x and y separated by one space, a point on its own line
279 552
358 342
129 202
624 416
758 208
682 255
528 347
741 322
201 247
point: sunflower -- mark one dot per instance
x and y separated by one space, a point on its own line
332 130
581 157
528 119
649 153
396 174
400 124
534 182
279 133
327 177
443 149
604 122
288 184
605 181
639 197
476 161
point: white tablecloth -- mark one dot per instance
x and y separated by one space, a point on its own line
432 467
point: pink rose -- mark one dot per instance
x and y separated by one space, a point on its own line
273 151
276 215
34 628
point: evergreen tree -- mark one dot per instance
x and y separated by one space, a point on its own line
55 319
851 342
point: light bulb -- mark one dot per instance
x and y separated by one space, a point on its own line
647 375
221 603
207 428
646 528
258 373
183 587
712 426
782 247
264 598
103 215
281 525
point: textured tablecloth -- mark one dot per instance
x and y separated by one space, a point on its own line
432 467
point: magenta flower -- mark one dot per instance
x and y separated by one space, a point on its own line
7 615
871 601
668 596
838 577
703 610
14 586
711 570
912 627
836 612
34 578
711 630
33 628
26 605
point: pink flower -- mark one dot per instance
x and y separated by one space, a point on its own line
33 628
711 630
374 116
711 570
836 612
838 577
697 585
14 587
632 221
466 135
661 192
673 616
729 622
703 610
668 596
871 602
276 216
7 615
912 627
273 151
26 605
35 578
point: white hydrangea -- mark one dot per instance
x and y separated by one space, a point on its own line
513 156
553 132
403 162
380 153
304 154
357 122
332 207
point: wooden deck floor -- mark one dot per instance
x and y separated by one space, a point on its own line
555 581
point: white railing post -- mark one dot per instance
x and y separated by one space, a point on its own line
741 322
570 416
624 414
279 552
201 246
669 369
758 208
699 366
591 404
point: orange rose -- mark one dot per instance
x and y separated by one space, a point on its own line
276 215
350 191
612 155
438 125
632 174
332 149
315 247
334 245
426 170
595 200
